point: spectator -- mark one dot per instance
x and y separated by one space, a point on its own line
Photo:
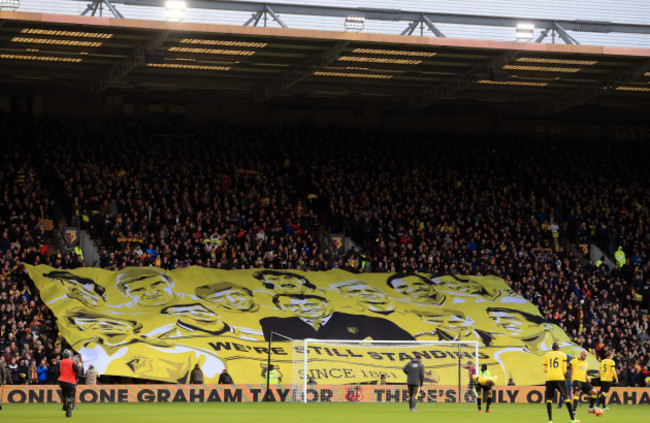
32 373
14 369
43 370
91 375
225 378
196 377
53 374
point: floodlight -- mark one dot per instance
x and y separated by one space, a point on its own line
9 4
525 31
354 23
175 10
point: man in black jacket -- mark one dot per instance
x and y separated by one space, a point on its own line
314 318
225 378
414 370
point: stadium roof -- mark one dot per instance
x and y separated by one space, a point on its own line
61 53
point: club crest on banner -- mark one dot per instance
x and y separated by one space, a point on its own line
71 235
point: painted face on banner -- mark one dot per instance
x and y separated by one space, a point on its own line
364 292
79 288
232 299
286 284
83 292
193 313
147 287
451 321
103 326
466 287
413 285
511 323
308 308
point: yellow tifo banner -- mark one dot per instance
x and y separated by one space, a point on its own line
148 323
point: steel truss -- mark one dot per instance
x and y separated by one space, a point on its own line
96 6
262 12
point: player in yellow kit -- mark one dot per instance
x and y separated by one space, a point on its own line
582 382
555 367
608 377
484 384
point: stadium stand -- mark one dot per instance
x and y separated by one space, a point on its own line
227 196
28 333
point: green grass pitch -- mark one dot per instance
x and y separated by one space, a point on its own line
309 413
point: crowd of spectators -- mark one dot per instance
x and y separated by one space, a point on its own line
227 197
29 342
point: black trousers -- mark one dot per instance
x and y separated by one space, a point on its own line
413 390
68 391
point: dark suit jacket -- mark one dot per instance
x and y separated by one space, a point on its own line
339 326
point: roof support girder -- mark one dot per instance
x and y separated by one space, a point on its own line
136 59
255 18
410 28
543 35
461 81
274 16
300 72
423 21
557 29
608 83
96 5
431 26
564 35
